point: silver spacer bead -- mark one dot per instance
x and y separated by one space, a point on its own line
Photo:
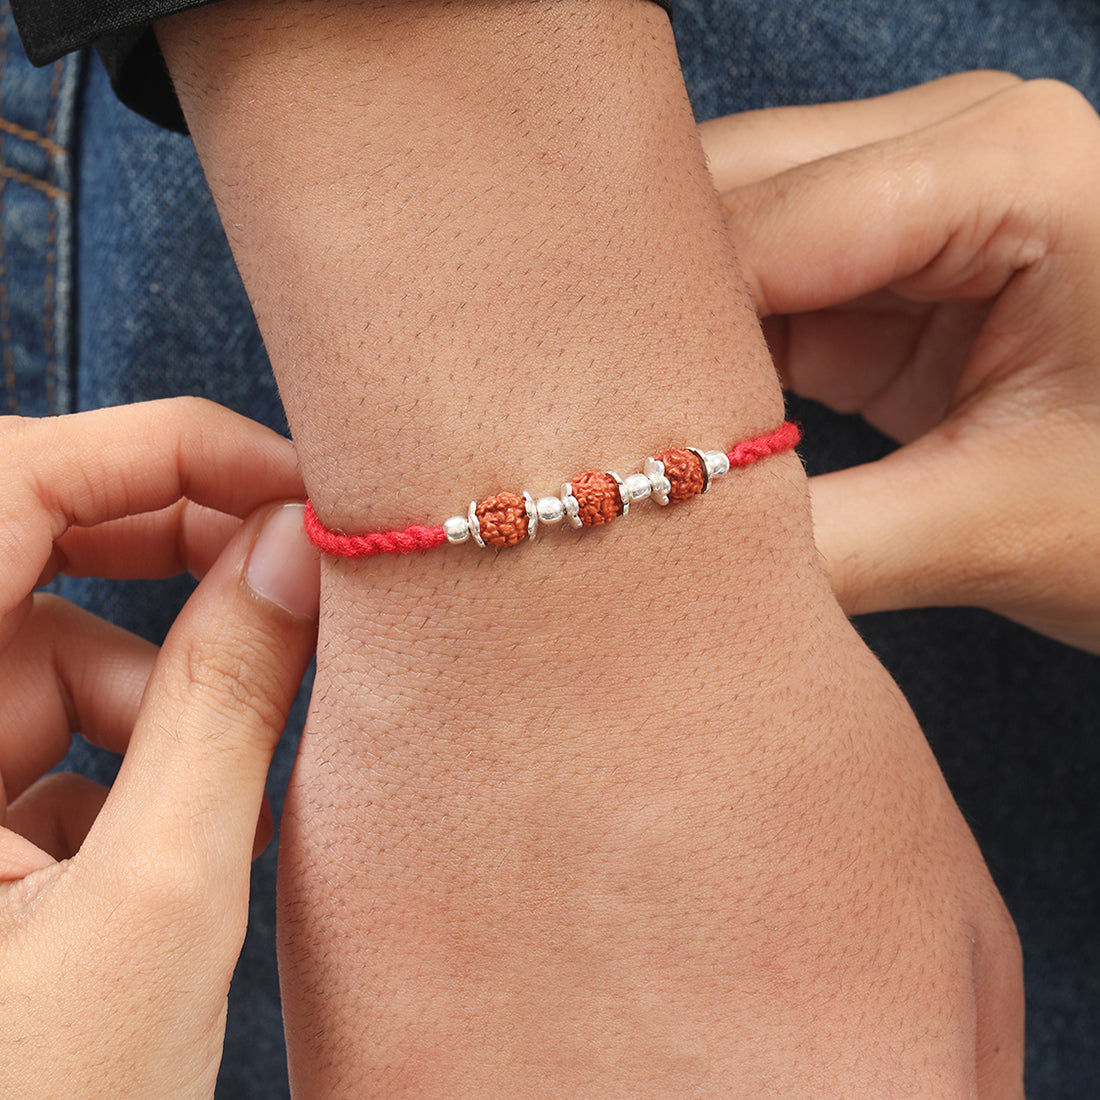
654 470
717 463
475 524
636 487
702 457
571 504
624 497
532 515
550 510
457 529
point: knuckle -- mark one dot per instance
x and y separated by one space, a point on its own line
20 437
191 407
14 428
985 82
1052 112
189 417
1057 96
997 78
234 679
1043 116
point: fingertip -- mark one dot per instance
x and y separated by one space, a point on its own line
20 858
284 567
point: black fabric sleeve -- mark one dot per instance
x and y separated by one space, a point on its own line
121 31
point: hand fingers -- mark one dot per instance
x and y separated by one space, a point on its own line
182 538
56 813
20 857
93 467
957 519
899 367
931 215
185 805
754 145
70 672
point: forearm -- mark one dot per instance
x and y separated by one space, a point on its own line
457 300
431 211
527 774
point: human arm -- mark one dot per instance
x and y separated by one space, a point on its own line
122 912
613 814
946 239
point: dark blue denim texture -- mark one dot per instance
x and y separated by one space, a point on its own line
37 134
116 285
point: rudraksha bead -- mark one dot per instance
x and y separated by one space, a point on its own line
598 498
684 471
502 519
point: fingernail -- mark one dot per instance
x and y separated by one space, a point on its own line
284 566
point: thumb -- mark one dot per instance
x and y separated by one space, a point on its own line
191 784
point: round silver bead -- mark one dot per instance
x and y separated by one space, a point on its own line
474 524
716 463
550 510
660 486
457 529
636 487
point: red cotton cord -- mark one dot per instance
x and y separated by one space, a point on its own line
787 436
416 537
375 542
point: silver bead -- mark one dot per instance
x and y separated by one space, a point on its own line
636 487
457 529
532 515
716 462
660 486
571 504
550 510
474 524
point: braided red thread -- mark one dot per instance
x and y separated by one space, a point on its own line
415 538
786 436
374 542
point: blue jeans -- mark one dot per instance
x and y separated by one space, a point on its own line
116 285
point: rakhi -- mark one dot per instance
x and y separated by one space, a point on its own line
590 500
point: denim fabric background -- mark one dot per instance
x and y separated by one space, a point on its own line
116 285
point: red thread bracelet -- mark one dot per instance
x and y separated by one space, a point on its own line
589 500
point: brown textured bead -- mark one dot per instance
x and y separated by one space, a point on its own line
684 471
598 498
502 519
